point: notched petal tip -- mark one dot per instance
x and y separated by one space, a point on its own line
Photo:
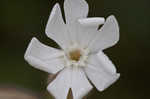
56 27
75 9
107 37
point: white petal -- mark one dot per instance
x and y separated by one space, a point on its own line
100 74
56 28
80 84
60 86
106 62
84 30
92 22
73 78
43 57
75 9
107 37
87 29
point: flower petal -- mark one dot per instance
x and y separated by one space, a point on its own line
92 22
87 30
43 57
80 85
73 78
106 62
60 86
56 28
84 30
101 71
75 9
107 36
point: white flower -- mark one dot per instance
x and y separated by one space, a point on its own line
81 55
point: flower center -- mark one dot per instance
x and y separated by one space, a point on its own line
75 55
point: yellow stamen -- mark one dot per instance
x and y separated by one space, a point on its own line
75 55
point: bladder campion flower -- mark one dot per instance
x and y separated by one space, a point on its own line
81 56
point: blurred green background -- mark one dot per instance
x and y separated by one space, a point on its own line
20 20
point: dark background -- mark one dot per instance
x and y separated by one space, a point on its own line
20 20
